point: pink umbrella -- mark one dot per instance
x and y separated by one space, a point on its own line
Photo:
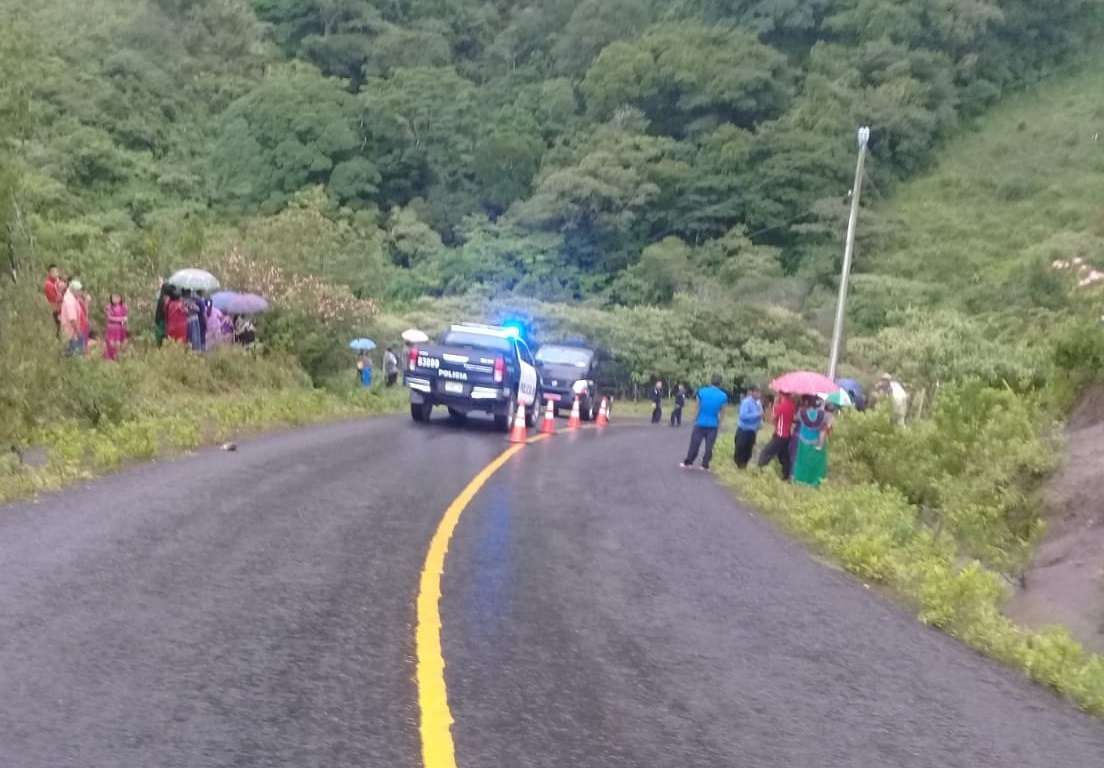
804 383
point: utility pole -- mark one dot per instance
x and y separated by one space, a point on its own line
848 252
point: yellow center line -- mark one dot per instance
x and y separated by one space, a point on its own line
436 724
438 750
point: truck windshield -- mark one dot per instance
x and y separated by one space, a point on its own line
552 355
477 341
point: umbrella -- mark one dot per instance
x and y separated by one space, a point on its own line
362 345
840 398
854 389
194 280
222 298
239 303
414 336
803 383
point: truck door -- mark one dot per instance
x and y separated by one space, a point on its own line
527 376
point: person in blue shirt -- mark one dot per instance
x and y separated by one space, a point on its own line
711 403
751 418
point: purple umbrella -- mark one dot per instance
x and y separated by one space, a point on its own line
239 303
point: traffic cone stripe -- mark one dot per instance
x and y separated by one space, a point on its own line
548 426
519 433
573 422
603 413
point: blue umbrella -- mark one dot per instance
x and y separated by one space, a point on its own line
221 299
239 303
854 389
362 345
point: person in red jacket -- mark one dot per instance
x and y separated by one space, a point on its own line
176 318
781 444
54 288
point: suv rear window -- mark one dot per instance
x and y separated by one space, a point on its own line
553 355
477 341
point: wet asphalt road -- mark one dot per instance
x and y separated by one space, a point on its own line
601 608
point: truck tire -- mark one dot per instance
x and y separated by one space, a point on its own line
532 413
420 411
503 422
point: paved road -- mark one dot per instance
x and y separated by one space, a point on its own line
256 609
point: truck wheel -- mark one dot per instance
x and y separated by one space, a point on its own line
532 413
503 422
420 411
587 410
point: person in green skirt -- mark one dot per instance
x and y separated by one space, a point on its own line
811 460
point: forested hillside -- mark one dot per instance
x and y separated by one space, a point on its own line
541 147
669 179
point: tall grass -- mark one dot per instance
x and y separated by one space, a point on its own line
1023 188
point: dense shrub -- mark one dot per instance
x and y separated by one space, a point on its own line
972 468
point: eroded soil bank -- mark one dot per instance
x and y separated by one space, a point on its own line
1065 582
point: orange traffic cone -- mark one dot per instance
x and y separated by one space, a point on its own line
519 433
576 418
603 413
548 426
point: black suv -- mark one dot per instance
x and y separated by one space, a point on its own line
568 372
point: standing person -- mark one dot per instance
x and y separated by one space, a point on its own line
680 403
657 401
364 369
54 288
785 411
115 327
391 366
711 403
751 418
244 332
194 333
69 320
204 315
176 317
889 389
160 312
85 321
811 462
216 328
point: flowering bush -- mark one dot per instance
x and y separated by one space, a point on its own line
328 303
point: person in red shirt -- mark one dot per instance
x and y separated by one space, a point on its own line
781 444
54 288
176 318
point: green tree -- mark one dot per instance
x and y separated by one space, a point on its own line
663 269
507 159
689 77
291 131
593 25
426 120
602 197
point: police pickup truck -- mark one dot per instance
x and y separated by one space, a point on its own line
474 368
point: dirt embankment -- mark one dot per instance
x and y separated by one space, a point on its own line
1065 583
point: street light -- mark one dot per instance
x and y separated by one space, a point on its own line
848 252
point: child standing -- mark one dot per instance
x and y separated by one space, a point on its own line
115 323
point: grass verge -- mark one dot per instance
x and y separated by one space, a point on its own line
877 535
66 450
